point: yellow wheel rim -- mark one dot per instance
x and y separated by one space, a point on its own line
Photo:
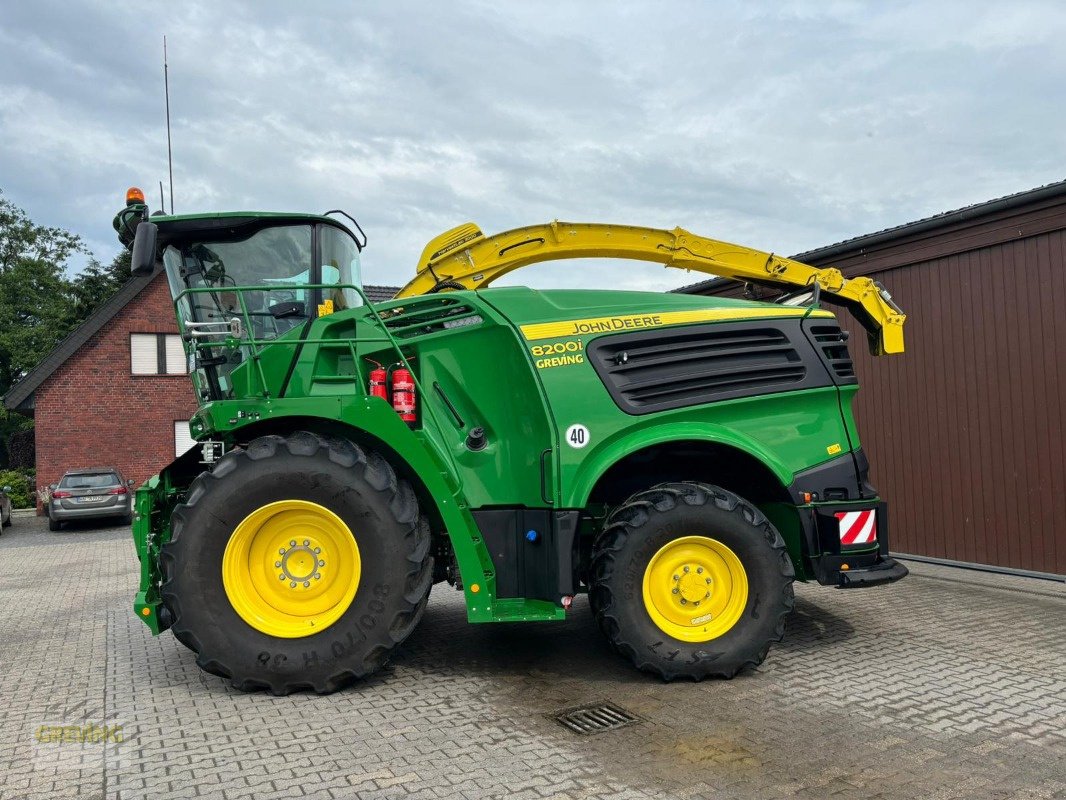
695 589
291 568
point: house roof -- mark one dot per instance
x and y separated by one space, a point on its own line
20 396
379 294
833 251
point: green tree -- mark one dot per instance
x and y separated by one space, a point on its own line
96 283
37 307
39 304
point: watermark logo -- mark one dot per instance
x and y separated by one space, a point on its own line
80 745
79 734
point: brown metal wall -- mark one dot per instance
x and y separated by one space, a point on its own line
965 431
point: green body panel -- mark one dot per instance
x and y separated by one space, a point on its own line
788 431
847 399
524 389
148 506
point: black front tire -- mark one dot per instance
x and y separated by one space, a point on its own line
648 521
360 487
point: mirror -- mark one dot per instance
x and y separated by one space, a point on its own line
142 259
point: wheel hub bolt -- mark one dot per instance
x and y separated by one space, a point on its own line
696 603
308 583
318 550
318 577
686 568
684 602
277 563
699 570
676 590
292 585
321 563
706 595
307 542
292 543
677 577
708 580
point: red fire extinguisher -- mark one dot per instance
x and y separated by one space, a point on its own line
403 394
378 380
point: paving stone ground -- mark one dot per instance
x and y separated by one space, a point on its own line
950 684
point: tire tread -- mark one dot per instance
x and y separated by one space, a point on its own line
403 505
626 521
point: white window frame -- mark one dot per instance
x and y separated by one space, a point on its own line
160 354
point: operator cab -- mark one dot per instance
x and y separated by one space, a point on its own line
275 266
244 279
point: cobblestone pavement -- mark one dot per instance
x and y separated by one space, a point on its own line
951 684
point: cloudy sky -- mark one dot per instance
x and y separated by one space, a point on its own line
784 126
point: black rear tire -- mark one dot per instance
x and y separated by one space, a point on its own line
634 533
54 525
393 541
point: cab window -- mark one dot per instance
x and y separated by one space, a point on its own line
340 265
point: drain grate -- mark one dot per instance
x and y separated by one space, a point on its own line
586 720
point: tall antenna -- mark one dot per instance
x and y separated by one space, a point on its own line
166 89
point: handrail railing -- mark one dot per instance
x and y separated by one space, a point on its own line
197 342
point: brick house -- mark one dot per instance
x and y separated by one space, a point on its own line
115 392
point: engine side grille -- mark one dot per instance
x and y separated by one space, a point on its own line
656 371
422 317
831 341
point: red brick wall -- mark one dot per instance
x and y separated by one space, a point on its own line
92 412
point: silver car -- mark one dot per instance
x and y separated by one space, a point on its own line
90 494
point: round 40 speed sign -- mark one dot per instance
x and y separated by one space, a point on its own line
577 436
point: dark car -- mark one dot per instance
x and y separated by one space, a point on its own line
90 494
5 507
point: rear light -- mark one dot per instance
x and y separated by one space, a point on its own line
119 490
60 495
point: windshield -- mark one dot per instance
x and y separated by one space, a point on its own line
276 271
279 259
95 481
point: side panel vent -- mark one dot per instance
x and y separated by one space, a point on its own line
422 317
665 369
832 343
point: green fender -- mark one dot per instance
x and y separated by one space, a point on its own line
614 450
369 419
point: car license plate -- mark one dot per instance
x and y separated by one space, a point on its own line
91 499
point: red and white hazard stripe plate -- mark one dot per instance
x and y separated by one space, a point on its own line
857 527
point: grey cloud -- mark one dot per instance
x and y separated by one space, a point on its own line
782 126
